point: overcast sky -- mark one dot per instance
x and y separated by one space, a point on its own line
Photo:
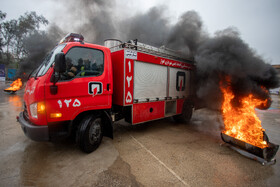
257 20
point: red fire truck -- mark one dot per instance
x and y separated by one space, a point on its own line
82 88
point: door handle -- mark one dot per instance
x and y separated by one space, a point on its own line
108 87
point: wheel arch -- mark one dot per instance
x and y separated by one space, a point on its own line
105 117
187 111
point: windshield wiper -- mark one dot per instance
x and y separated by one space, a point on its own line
31 73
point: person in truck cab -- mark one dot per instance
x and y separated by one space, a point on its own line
87 64
81 67
71 71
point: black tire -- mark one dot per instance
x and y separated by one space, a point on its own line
89 134
186 115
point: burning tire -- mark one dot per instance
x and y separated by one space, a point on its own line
89 134
15 86
264 155
186 115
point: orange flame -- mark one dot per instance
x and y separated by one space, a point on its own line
15 86
242 122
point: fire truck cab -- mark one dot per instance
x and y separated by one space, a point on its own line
82 88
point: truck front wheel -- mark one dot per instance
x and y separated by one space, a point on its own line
89 133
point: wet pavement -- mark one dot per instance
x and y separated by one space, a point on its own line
158 153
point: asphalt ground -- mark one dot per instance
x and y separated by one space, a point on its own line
157 153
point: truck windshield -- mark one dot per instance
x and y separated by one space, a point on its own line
47 62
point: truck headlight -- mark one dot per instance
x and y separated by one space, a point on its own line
37 108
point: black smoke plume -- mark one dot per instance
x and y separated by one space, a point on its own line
98 20
225 54
37 46
187 34
151 27
95 19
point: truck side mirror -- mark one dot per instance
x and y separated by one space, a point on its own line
60 63
59 67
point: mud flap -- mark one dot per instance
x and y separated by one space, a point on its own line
108 124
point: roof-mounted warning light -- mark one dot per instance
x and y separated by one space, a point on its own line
72 37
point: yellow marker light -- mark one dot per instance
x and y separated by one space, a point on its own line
41 108
55 115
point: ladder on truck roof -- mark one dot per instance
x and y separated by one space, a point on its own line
161 51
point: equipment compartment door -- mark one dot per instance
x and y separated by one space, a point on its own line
179 83
150 81
143 112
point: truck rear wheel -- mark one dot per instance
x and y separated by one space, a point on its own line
186 115
89 134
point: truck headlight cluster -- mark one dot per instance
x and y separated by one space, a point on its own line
37 108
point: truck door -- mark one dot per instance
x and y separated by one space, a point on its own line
84 86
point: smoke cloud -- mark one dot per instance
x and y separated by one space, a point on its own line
151 27
98 20
224 54
187 34
95 19
38 45
227 55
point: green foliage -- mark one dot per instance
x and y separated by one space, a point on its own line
2 17
13 34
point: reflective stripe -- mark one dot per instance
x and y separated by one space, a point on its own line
82 71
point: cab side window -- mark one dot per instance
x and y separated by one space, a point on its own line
83 62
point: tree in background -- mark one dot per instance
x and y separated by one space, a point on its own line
2 17
14 34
